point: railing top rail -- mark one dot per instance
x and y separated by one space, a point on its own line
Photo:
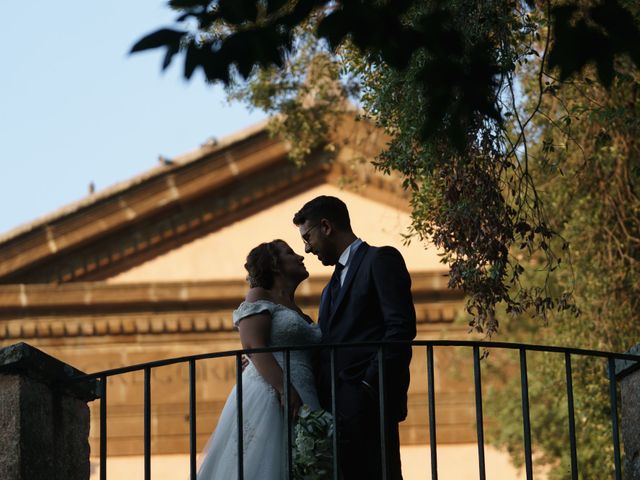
415 343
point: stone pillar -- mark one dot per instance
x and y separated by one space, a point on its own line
44 421
628 376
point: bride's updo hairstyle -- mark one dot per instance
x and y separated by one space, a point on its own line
262 263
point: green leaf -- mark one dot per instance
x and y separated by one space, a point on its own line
184 4
275 5
193 59
620 27
171 51
165 37
237 12
334 28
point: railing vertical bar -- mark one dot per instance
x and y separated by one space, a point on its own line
147 423
477 377
527 440
192 419
572 420
526 421
613 397
287 413
332 355
432 414
239 418
103 428
383 424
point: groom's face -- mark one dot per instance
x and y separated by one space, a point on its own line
317 240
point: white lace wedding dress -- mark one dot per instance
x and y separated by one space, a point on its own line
263 430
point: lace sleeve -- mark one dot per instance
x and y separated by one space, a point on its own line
246 309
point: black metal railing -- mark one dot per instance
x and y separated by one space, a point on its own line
430 345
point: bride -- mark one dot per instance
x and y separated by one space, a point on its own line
269 316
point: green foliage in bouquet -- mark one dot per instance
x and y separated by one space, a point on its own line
312 446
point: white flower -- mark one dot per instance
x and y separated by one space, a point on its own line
312 446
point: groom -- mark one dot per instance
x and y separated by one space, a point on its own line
367 300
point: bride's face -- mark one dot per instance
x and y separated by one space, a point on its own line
291 264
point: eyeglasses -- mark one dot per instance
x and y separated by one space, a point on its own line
305 236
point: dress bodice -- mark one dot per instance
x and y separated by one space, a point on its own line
288 327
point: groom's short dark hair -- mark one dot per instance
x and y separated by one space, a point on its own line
324 206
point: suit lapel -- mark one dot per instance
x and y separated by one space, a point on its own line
323 314
354 265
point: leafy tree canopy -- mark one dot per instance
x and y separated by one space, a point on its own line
460 75
592 134
442 79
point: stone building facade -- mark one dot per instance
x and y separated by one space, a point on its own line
152 268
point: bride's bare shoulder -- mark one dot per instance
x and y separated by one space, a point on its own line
258 293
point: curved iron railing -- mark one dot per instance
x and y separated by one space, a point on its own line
380 346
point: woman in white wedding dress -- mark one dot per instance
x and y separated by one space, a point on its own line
267 317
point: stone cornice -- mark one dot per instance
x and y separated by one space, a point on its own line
115 250
203 152
218 184
142 198
102 297
98 309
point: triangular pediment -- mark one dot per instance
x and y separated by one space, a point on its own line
221 254
210 205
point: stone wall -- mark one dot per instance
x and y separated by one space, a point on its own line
628 375
44 422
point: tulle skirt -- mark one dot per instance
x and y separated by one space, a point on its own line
263 435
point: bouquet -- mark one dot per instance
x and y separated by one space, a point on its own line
312 445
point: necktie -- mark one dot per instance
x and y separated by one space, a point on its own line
335 284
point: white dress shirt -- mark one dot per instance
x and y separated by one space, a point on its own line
345 258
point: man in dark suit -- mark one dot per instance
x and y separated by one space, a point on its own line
367 300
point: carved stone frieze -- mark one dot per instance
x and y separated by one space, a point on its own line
95 309
151 323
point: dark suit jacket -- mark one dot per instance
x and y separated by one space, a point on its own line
375 304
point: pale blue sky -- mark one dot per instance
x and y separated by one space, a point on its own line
76 108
